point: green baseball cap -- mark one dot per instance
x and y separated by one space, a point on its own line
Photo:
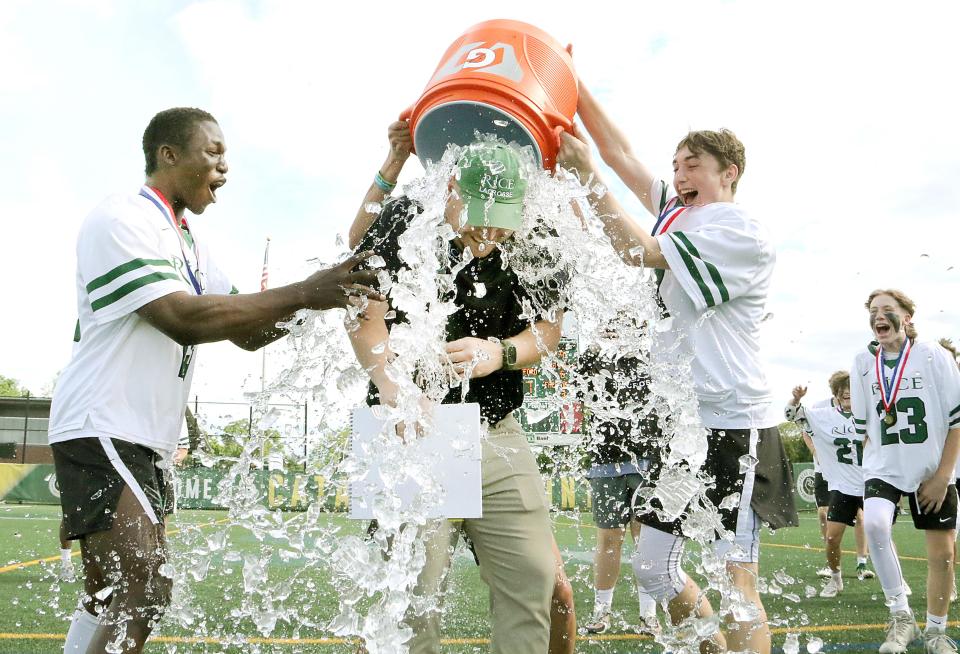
492 185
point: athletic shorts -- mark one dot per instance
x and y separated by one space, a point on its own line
946 518
843 508
768 486
611 499
91 474
821 492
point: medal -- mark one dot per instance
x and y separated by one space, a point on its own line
889 390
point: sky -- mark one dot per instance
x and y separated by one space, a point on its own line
847 111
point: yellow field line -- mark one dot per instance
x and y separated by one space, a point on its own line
819 550
27 564
209 640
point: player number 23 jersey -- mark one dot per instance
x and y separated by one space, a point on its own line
926 407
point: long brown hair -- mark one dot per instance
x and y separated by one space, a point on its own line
905 303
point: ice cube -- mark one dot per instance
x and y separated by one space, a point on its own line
747 463
376 261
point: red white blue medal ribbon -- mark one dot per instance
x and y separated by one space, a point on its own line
889 390
670 213
161 203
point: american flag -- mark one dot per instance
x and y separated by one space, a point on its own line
266 259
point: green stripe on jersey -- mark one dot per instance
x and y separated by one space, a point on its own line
956 409
124 268
130 287
663 197
692 267
859 421
714 273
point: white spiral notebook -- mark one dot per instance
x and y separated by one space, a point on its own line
451 453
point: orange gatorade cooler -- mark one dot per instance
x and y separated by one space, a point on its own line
501 77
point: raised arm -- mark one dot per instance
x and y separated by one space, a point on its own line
401 143
614 148
249 320
631 241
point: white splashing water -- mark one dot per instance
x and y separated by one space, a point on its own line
561 236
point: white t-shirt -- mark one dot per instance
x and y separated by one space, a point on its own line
839 448
721 262
126 379
927 407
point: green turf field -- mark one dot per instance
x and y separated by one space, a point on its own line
35 603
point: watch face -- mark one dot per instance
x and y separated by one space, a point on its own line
510 354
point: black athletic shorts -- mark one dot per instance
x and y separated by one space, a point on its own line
91 474
772 493
821 492
843 508
611 498
946 518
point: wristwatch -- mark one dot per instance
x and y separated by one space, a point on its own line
509 355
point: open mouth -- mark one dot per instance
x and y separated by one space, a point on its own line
216 185
883 330
688 197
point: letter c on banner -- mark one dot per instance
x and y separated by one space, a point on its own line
54 487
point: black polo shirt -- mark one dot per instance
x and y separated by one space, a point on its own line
619 384
493 311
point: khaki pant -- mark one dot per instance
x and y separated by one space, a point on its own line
513 542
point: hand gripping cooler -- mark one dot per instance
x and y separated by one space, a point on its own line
501 77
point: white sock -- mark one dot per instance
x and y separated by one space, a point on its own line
604 597
936 623
648 605
878 518
837 576
861 560
81 632
65 556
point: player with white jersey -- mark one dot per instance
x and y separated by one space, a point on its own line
840 452
821 490
713 262
147 293
906 403
951 348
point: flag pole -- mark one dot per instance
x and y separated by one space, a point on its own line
263 286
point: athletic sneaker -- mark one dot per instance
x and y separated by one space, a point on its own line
937 642
67 573
824 572
863 572
600 621
901 631
906 589
649 625
832 588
